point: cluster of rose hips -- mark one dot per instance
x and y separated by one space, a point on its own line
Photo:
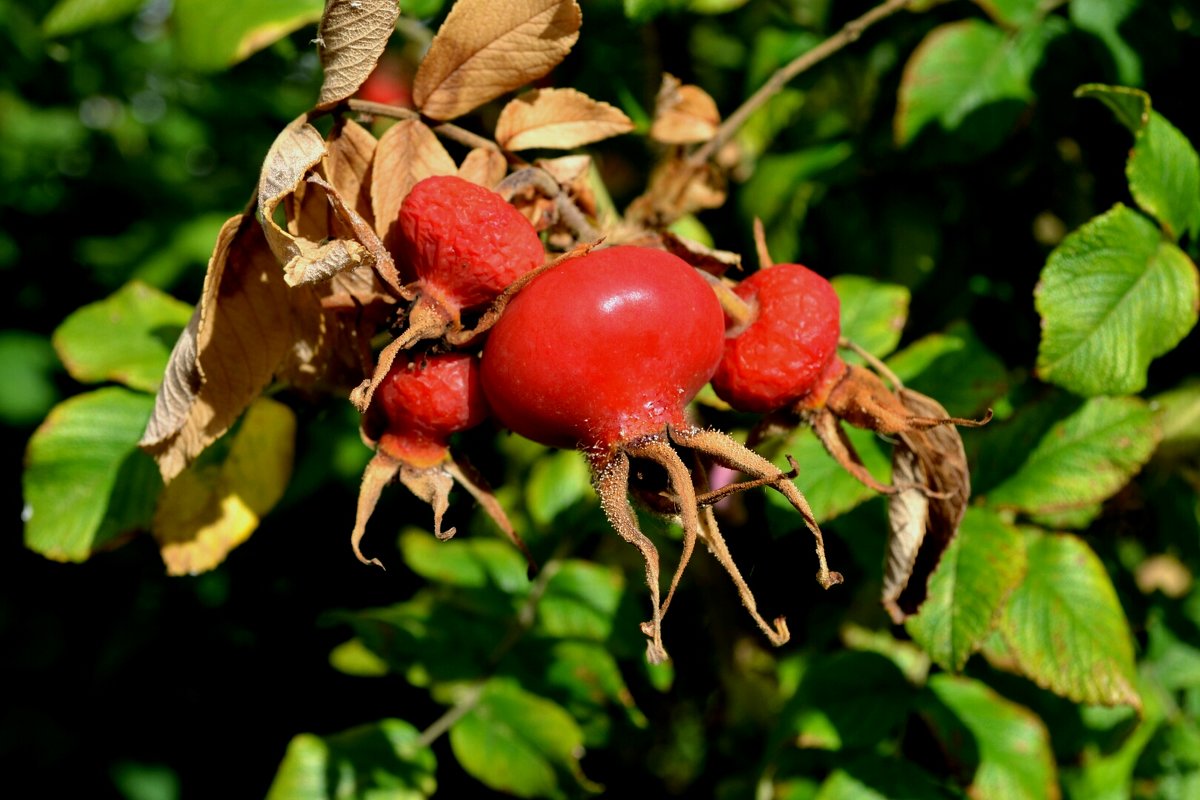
602 350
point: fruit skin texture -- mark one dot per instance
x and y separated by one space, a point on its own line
603 349
425 401
464 242
789 346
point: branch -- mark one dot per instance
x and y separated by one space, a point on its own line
849 33
453 132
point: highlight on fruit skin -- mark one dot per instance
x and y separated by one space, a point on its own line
603 353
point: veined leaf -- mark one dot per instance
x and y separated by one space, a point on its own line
560 119
1112 297
1065 627
1083 459
352 36
966 591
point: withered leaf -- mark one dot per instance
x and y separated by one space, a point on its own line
349 153
407 153
922 523
352 36
557 118
676 188
296 151
483 166
485 49
242 332
711 260
683 114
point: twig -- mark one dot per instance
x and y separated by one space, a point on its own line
849 32
452 132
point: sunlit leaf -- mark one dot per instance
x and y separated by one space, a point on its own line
977 572
1065 626
954 366
1012 13
465 562
873 313
1083 459
580 601
683 114
1113 297
352 36
872 777
126 338
485 49
556 482
1002 748
212 36
85 482
830 490
1179 418
209 509
517 742
381 760
73 16
559 119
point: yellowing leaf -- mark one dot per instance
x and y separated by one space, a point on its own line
209 510
353 34
559 119
485 49
683 114
407 153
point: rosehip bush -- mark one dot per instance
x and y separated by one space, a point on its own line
910 285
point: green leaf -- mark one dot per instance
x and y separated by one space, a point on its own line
580 601
353 657
556 482
85 480
1065 627
1104 20
1131 106
1012 13
1003 748
126 338
1083 459
830 490
1164 177
28 364
966 591
873 313
876 778
212 36
1179 418
852 699
646 10
970 79
377 761
955 367
471 562
516 742
73 16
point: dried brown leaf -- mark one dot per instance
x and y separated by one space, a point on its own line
683 114
711 260
558 118
485 49
408 152
244 330
297 150
677 188
484 166
923 522
352 36
350 151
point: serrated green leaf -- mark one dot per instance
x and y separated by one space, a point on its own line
1065 627
966 591
517 742
470 562
85 480
1012 13
212 36
876 778
852 699
556 482
381 760
971 79
955 367
1083 459
873 313
1179 419
1164 177
73 16
830 490
1104 19
126 338
28 364
580 601
1003 748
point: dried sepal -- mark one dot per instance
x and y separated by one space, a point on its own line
485 49
380 471
471 480
683 114
559 119
352 36
407 153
